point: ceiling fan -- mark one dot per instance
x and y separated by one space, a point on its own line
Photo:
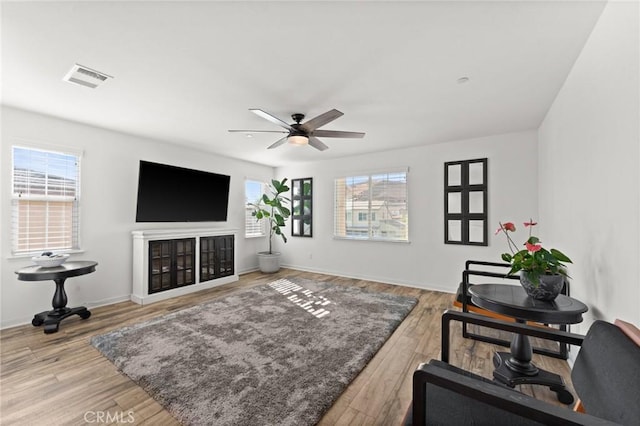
303 133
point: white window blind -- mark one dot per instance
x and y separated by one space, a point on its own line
253 191
372 207
45 199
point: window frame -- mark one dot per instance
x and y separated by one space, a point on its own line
370 214
76 241
247 213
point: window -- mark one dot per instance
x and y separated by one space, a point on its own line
44 200
253 191
377 202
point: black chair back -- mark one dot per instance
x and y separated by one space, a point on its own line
606 374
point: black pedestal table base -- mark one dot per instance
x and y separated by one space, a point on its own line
51 319
506 375
515 368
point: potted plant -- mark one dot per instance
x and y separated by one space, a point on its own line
271 207
542 273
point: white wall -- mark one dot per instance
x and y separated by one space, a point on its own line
109 177
589 162
426 261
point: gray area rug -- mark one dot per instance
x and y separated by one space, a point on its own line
278 354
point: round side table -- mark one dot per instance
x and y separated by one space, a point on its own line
59 274
516 368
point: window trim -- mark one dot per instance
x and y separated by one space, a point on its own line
247 208
57 149
369 237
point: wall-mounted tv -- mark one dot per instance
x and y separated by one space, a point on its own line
175 194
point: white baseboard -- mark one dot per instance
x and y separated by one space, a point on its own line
15 322
387 280
185 290
105 302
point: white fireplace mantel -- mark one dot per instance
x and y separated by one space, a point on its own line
140 290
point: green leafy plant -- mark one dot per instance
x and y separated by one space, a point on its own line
533 259
272 208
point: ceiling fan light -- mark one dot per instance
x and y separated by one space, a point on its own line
298 140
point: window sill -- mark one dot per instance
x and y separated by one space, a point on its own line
375 240
254 236
28 256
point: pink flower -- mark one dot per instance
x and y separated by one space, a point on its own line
533 247
507 226
534 259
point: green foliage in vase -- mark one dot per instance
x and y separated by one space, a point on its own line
534 259
272 208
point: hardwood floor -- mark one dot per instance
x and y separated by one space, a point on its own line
60 379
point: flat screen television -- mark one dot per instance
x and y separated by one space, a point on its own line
175 194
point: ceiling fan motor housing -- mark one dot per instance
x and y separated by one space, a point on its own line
297 131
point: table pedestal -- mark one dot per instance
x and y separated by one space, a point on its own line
515 368
521 354
51 319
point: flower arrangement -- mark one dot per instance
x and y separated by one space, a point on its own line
534 260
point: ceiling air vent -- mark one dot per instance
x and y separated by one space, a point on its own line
84 76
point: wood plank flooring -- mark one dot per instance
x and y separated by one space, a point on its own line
60 379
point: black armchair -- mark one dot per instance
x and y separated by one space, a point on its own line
606 376
477 268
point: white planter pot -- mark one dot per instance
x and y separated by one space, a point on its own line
269 263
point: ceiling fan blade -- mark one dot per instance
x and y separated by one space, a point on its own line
257 131
317 143
337 134
278 143
321 120
270 118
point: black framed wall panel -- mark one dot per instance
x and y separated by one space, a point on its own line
302 207
466 202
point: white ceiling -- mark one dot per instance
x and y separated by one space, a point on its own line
186 72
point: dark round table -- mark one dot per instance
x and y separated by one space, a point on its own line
59 274
516 368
